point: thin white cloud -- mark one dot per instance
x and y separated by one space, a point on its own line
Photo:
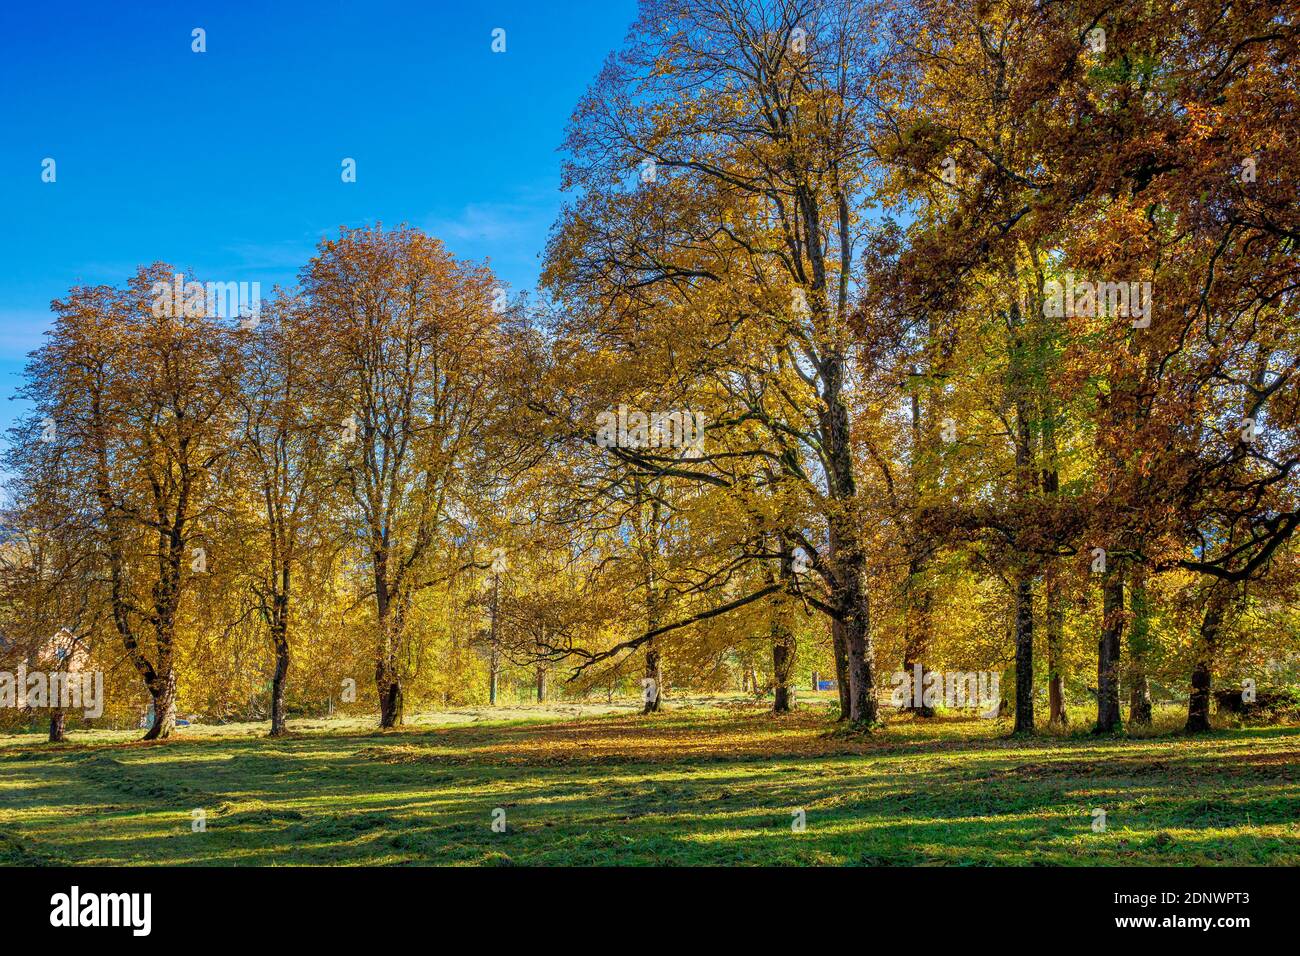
21 331
287 255
511 234
495 222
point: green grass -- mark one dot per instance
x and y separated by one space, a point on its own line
707 782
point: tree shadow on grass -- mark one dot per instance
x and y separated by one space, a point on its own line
626 790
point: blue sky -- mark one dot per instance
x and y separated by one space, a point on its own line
227 163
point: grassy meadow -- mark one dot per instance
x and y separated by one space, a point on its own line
708 781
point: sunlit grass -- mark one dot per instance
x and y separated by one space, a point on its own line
707 782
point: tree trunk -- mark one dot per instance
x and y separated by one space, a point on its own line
388 683
390 696
919 602
910 665
280 641
1108 651
1198 702
652 692
541 685
920 598
857 638
162 685
278 684
1053 599
58 732
847 557
1020 375
494 656
653 689
783 641
782 665
841 667
163 692
390 611
1024 652
1139 700
855 607
1057 716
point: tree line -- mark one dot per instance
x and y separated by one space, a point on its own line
877 336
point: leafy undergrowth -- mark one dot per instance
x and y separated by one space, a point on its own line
705 784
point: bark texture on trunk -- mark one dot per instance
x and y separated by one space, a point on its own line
845 544
862 698
1139 699
1024 652
920 596
783 652
390 609
1198 701
1108 651
388 681
161 680
163 692
855 608
909 668
653 692
840 646
783 640
1055 616
920 600
494 653
280 643
279 684
1020 376
390 698
58 729
1053 598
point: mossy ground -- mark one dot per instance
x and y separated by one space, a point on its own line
706 782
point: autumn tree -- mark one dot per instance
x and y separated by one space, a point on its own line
720 162
404 336
50 580
281 473
135 384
